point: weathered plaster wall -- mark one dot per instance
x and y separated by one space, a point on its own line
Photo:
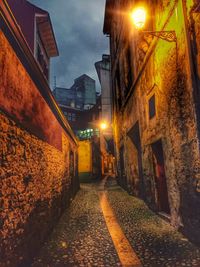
22 100
167 75
38 163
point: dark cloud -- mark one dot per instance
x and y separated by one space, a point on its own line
78 29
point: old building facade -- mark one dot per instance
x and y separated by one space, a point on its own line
155 82
106 135
38 150
81 95
35 24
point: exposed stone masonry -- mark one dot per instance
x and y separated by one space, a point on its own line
38 160
167 77
35 188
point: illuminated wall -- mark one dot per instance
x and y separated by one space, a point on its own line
161 98
85 159
38 152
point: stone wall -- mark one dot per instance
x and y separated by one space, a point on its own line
35 188
38 160
167 76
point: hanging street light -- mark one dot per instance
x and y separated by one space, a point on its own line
103 125
138 17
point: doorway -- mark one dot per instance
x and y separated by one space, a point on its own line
134 135
123 181
160 178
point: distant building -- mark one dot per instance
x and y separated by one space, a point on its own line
85 123
106 136
81 95
85 89
81 106
91 120
103 71
64 96
35 24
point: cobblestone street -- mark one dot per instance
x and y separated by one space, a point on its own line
81 237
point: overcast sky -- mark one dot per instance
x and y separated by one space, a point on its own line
78 26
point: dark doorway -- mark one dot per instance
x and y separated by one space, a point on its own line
134 135
160 177
123 181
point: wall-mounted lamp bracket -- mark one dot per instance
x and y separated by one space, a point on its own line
169 36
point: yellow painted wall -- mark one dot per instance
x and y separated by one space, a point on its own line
85 157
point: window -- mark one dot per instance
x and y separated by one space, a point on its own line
85 134
42 57
72 104
152 107
73 117
69 116
118 87
128 79
79 94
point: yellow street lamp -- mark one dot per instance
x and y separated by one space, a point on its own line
103 125
138 18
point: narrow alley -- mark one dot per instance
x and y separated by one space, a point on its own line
81 237
99 133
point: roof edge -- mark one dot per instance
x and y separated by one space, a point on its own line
108 16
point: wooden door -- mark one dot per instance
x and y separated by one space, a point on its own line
160 177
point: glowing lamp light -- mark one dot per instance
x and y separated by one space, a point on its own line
103 125
138 17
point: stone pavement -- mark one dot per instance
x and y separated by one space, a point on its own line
81 237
